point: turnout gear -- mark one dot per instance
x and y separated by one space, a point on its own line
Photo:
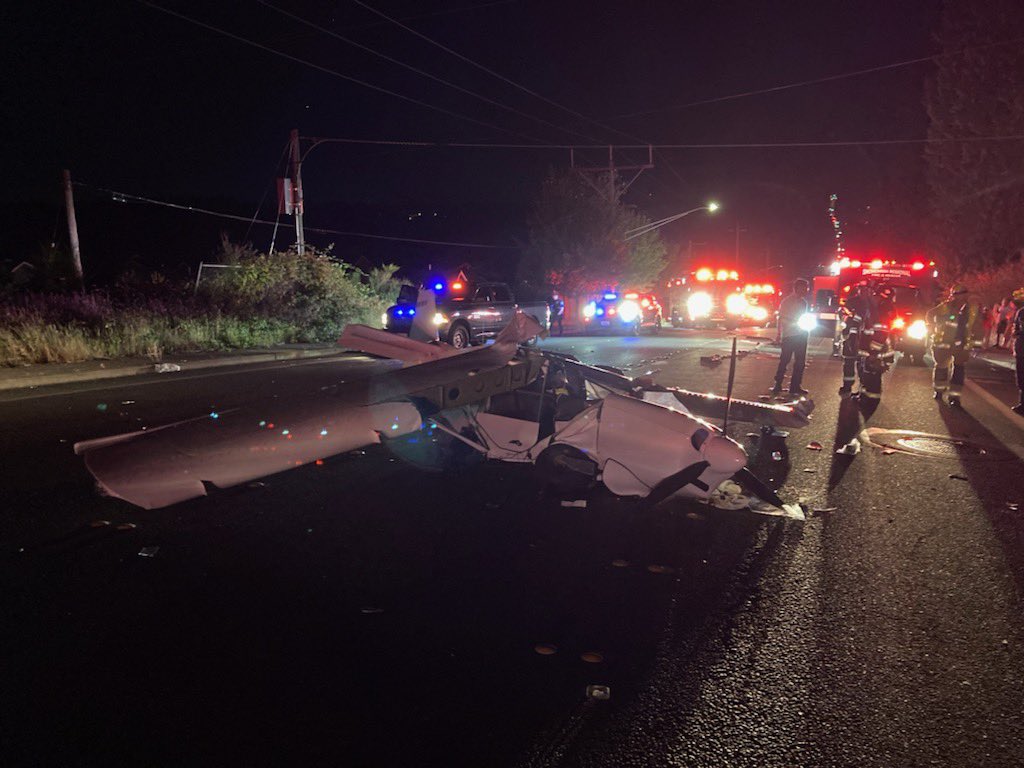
857 316
955 328
1018 347
875 358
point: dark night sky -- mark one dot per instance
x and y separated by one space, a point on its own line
136 100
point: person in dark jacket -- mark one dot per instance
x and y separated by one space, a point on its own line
1018 347
557 305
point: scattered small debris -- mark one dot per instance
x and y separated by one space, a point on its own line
101 407
814 445
599 692
575 503
127 402
889 451
99 523
711 360
592 657
809 470
620 563
852 448
257 484
959 477
660 569
166 368
544 649
729 495
825 510
1012 506
126 526
776 455
697 515
371 611
148 551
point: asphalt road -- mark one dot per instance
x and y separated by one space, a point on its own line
364 613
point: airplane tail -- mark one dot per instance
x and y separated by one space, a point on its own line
521 329
423 326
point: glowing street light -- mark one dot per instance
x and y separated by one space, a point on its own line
651 226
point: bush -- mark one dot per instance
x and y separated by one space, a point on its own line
314 291
264 300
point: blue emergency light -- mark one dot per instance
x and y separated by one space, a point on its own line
611 296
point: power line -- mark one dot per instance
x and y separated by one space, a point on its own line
814 81
489 71
418 71
326 70
124 196
444 12
724 145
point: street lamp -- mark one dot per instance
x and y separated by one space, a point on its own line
653 225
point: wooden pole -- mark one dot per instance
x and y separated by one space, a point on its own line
76 254
300 235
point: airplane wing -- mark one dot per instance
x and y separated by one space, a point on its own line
164 465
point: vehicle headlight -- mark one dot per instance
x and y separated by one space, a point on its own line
588 311
757 314
699 305
439 319
807 322
384 320
629 311
917 330
736 304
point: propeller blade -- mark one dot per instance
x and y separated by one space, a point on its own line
728 391
751 481
684 477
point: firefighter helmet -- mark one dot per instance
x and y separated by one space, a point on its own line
1018 296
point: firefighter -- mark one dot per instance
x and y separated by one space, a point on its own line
1018 347
954 328
876 355
857 316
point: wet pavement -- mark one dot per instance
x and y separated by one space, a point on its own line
362 613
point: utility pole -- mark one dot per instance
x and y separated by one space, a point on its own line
613 191
738 230
300 237
76 254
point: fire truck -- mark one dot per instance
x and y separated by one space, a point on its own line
710 297
912 287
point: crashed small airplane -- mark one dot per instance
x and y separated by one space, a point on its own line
580 425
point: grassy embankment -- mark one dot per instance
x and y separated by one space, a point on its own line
264 300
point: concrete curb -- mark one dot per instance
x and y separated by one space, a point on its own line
44 374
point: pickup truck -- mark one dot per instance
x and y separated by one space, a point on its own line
470 315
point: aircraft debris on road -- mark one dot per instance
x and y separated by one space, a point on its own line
580 425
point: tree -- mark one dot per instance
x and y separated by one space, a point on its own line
977 187
577 240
